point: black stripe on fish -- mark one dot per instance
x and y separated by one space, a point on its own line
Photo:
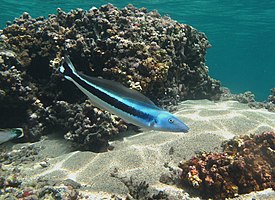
110 100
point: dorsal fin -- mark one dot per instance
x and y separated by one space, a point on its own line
118 89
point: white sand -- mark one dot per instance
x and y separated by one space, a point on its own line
142 156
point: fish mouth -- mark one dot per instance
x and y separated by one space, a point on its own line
185 129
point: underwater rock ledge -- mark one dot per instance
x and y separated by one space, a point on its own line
163 59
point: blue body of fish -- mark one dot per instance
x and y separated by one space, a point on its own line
128 104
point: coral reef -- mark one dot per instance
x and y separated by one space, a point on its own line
246 97
156 55
87 125
245 165
249 99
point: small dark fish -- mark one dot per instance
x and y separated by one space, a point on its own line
128 104
10 134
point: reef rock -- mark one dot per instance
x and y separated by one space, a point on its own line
271 98
249 98
163 59
245 165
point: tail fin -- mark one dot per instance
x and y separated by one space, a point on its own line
67 67
18 131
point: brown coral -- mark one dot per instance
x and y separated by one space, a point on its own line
245 165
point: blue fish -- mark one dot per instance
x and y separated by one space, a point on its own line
128 104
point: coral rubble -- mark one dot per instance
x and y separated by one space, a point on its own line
9 179
139 190
245 165
16 184
154 54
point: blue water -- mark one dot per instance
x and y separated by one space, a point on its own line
242 33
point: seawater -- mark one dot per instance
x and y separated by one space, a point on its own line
242 33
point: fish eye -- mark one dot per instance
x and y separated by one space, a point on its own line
171 121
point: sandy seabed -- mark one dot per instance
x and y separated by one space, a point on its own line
143 156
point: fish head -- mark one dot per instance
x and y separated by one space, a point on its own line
165 121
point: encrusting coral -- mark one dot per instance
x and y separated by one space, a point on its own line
163 59
245 165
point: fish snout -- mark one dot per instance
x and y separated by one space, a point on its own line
184 128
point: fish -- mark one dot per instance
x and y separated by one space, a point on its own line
128 104
10 134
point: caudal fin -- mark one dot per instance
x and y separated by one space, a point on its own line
67 67
18 131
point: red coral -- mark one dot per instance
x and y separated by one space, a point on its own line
245 165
